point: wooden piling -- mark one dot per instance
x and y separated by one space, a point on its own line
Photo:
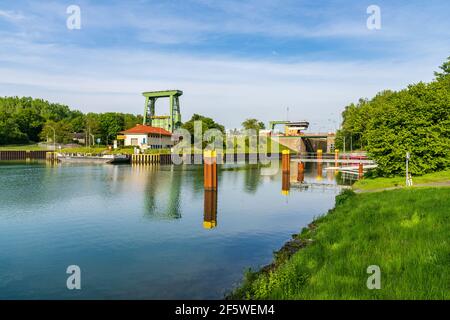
360 170
286 161
210 170
336 157
319 154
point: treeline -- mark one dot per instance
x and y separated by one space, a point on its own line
28 120
414 120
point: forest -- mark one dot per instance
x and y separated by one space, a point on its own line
27 120
415 120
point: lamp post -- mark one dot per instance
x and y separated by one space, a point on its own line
54 137
407 169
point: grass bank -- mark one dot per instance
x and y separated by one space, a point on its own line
405 232
383 183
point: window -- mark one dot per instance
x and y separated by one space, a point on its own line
134 142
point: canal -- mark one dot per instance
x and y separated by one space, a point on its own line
141 232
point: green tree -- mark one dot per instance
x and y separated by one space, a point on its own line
445 70
111 124
207 123
253 124
414 120
61 130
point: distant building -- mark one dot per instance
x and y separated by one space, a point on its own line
147 137
79 137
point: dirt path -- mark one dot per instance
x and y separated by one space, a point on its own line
429 184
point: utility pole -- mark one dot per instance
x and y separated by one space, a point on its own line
408 182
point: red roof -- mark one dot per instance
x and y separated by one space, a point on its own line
143 129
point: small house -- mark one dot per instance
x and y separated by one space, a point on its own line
147 137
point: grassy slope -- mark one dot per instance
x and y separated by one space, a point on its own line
405 232
30 147
381 183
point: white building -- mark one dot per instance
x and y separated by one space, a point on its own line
147 137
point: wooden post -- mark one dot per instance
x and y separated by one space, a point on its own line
300 172
360 170
319 154
336 157
210 170
285 161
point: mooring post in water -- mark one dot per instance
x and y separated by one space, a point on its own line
210 170
319 154
336 157
210 209
300 172
285 161
360 171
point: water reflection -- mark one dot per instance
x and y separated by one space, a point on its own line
162 192
285 183
210 209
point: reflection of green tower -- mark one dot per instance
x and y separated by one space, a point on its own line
169 122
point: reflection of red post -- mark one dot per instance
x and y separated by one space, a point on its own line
360 170
210 170
301 172
210 209
285 161
285 183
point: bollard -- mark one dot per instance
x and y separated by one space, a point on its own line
285 184
285 161
319 154
210 209
300 172
360 171
210 170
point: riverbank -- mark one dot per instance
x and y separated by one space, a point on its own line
405 232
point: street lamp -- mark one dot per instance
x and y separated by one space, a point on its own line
54 137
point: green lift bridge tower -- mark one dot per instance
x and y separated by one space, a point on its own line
169 122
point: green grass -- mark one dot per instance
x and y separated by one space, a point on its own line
405 232
27 147
381 183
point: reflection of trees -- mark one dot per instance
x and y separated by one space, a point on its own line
162 193
252 179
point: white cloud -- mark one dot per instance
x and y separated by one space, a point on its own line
229 89
11 15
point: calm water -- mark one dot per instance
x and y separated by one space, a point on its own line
138 232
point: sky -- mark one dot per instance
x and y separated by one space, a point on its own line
235 59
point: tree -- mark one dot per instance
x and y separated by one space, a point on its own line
207 123
61 130
414 120
445 70
253 124
111 123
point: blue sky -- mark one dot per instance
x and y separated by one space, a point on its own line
233 59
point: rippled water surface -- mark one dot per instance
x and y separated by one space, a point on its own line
142 232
